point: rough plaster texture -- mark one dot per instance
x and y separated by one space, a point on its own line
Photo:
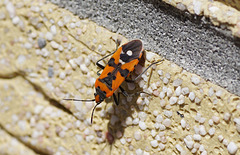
190 41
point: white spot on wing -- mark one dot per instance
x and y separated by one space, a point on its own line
129 53
121 62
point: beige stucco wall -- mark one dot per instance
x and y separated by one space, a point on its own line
34 82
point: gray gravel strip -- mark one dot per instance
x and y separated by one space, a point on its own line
187 40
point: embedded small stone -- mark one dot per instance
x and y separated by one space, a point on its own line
211 131
232 148
197 137
202 130
179 148
219 93
137 135
173 100
154 143
185 90
191 96
195 80
183 123
167 122
41 43
142 125
227 116
178 91
54 45
160 72
220 138
49 36
159 119
177 82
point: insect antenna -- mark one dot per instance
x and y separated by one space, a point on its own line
93 111
72 99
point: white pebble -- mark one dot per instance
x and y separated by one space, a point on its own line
210 92
185 90
162 95
155 113
142 125
195 80
189 143
237 120
216 119
227 116
160 72
154 143
219 93
177 82
181 99
161 146
136 121
168 113
162 127
173 100
183 123
179 148
137 135
27 45
225 142
49 36
153 133
168 75
159 119
191 96
53 29
84 68
220 138
202 120
197 137
162 103
197 7
232 148
169 92
211 131
123 141
129 120
38 109
202 130
178 91
201 148
149 56
62 75
139 152
11 9
210 122
15 20
142 116
167 122
54 45
165 80
21 59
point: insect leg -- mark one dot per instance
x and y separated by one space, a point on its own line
116 100
101 66
132 81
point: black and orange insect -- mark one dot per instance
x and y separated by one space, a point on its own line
118 68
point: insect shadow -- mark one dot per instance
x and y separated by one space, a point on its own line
117 121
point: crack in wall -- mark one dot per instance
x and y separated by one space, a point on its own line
34 149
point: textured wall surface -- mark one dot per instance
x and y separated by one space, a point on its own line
48 54
188 40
